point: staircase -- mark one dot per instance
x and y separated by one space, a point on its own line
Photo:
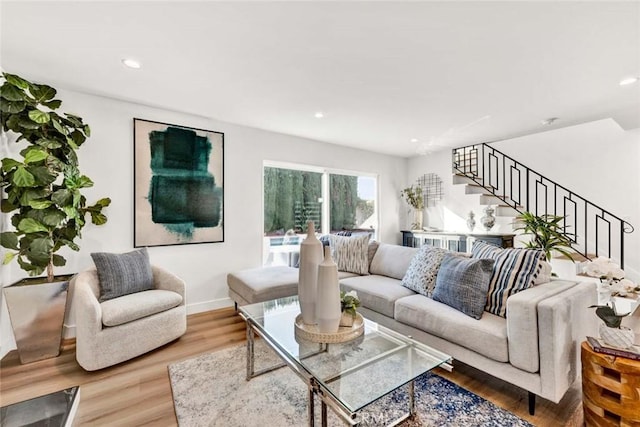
514 188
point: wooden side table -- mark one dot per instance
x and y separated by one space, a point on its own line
610 389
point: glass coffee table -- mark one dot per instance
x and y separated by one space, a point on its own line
345 376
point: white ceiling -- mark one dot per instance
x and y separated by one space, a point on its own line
446 73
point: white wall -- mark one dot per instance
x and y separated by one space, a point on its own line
107 158
598 160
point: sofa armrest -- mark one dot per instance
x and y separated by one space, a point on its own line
564 322
522 323
165 280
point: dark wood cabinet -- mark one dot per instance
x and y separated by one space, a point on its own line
457 242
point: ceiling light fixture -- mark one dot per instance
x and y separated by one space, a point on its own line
319 115
628 81
414 139
131 63
549 121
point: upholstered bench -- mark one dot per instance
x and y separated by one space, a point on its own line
262 284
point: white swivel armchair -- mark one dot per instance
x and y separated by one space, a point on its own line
122 328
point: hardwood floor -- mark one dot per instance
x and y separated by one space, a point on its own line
138 392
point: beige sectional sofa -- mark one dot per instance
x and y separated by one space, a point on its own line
536 347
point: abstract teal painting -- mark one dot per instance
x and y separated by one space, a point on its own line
179 184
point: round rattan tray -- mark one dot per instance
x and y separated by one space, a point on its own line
344 334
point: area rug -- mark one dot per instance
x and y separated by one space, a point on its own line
211 390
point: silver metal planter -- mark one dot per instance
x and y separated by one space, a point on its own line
36 309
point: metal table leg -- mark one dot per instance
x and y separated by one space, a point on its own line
249 352
311 416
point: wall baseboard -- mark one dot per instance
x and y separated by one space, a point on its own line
210 305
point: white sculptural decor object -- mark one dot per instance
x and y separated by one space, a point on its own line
488 220
328 311
310 258
471 222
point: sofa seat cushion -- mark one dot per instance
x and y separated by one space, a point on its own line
127 308
487 336
264 283
377 293
346 274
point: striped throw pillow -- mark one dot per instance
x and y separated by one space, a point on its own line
351 254
514 270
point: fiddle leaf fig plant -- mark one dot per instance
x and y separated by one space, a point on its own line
43 190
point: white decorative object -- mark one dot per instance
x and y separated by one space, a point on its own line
621 337
610 275
488 220
471 222
604 292
310 259
328 312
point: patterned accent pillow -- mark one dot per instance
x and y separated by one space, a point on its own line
514 270
423 269
351 254
123 274
371 252
462 283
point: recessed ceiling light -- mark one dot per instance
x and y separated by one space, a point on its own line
414 139
628 81
319 115
131 63
549 121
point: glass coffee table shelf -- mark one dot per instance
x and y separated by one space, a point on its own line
345 376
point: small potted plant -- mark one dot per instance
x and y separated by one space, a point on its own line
414 198
348 303
612 332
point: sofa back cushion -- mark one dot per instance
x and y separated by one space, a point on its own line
514 270
423 269
392 260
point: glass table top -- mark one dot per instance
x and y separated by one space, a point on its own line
356 372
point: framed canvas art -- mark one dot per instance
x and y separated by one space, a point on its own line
178 184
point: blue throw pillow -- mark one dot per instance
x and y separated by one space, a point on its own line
462 283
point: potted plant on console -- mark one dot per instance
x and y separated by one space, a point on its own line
43 190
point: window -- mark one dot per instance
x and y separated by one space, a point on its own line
352 199
295 194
